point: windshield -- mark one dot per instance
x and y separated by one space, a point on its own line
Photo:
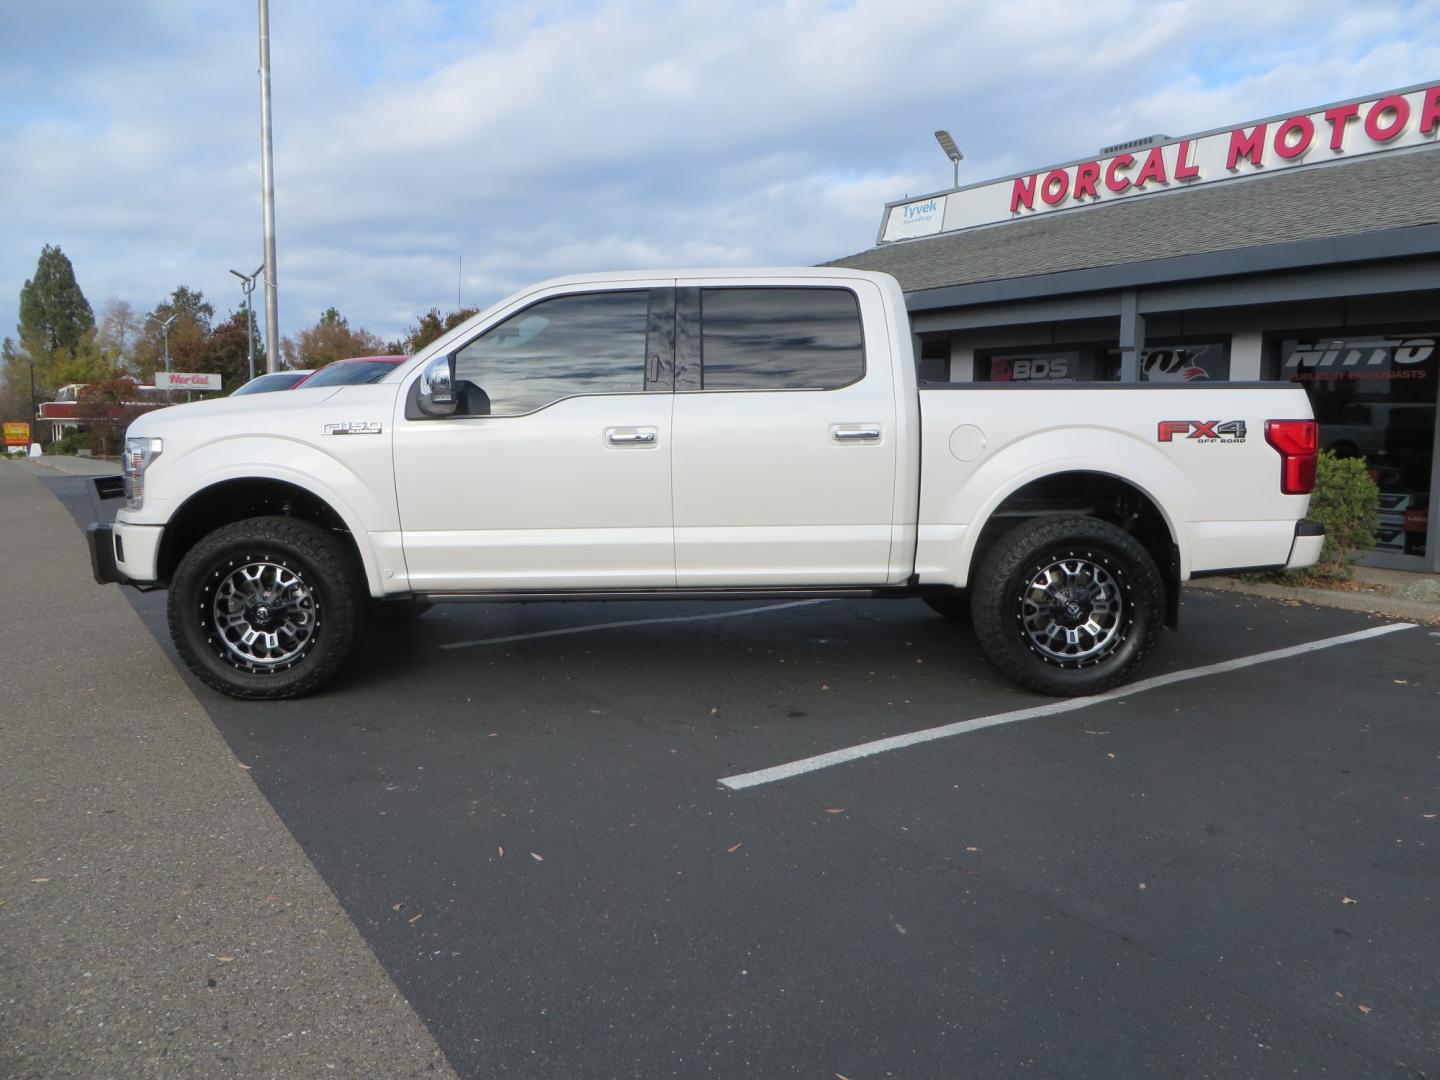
345 373
275 380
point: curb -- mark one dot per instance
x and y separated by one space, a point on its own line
1369 603
92 467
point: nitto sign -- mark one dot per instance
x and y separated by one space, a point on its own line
1389 358
1402 118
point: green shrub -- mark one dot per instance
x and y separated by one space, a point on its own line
72 441
1346 501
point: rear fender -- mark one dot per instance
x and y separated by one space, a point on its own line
1055 453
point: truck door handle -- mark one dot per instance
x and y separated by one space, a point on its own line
632 437
854 434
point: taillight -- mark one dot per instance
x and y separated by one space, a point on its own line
1298 443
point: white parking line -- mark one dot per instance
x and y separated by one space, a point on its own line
629 622
899 742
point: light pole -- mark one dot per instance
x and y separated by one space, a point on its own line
951 151
34 420
247 286
267 197
165 335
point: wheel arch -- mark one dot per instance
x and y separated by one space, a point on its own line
1086 492
224 501
960 503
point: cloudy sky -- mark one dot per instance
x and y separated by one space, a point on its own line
539 138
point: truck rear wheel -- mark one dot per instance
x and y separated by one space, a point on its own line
1067 605
266 608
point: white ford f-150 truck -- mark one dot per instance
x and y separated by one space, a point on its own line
703 434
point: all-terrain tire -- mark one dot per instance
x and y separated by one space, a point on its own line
1067 606
316 594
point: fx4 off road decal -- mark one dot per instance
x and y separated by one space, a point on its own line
1205 431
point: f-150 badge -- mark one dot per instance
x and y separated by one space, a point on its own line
354 427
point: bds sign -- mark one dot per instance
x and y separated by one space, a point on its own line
17 433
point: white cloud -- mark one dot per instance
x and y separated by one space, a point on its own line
537 139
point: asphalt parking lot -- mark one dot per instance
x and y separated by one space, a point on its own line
521 809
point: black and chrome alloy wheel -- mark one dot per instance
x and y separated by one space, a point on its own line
263 615
1067 605
267 607
1072 611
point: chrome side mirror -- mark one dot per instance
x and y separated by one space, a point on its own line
437 388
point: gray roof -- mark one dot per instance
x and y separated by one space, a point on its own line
1364 195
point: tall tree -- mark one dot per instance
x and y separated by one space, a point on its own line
431 325
187 333
118 329
54 313
108 408
330 339
86 363
14 382
225 352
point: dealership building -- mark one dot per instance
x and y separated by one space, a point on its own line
1302 247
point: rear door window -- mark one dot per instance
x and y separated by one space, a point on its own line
780 339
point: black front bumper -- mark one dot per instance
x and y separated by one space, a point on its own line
101 539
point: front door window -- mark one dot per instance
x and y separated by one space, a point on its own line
588 343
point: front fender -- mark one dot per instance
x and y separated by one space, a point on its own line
359 487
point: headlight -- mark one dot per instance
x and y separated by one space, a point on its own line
139 453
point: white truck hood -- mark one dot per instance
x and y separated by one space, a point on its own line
249 409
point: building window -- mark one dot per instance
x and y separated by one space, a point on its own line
1375 398
1042 365
1182 361
1162 360
933 363
1176 360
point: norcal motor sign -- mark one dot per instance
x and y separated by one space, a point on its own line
1392 121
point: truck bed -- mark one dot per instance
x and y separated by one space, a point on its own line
1198 452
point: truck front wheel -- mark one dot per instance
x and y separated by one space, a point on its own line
1068 605
266 608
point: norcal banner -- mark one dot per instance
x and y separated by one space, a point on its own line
1396 120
